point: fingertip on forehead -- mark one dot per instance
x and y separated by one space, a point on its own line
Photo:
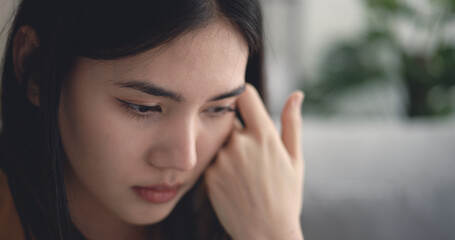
251 90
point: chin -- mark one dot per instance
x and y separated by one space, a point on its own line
150 215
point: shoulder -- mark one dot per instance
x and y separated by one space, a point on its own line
10 225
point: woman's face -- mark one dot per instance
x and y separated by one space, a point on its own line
138 132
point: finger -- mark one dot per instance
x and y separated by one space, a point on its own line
252 109
291 121
237 125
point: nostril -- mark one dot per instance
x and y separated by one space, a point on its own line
181 158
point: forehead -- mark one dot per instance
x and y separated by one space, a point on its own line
208 60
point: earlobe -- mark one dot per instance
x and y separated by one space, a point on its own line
25 42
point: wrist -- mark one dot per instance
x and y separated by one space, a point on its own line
289 232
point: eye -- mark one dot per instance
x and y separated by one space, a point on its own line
141 111
145 109
219 111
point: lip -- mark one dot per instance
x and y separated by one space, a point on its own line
159 193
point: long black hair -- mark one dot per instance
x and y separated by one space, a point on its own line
30 146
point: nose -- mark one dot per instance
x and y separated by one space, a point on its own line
177 147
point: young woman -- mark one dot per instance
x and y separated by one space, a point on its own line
140 119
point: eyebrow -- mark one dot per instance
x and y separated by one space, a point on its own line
150 89
154 90
235 92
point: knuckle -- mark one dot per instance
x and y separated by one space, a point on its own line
237 139
267 137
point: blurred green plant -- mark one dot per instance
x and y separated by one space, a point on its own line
426 71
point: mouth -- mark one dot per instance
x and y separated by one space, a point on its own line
159 193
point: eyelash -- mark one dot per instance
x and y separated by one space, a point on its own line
135 111
219 111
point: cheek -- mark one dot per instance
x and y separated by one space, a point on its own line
94 139
214 135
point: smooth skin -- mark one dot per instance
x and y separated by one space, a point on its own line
116 139
256 183
254 175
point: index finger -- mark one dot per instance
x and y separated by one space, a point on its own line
252 110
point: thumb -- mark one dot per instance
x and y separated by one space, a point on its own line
291 124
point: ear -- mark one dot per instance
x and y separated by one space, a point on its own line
25 42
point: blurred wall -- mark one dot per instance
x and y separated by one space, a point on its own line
6 7
298 33
284 48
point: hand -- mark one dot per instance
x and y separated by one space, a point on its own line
255 184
